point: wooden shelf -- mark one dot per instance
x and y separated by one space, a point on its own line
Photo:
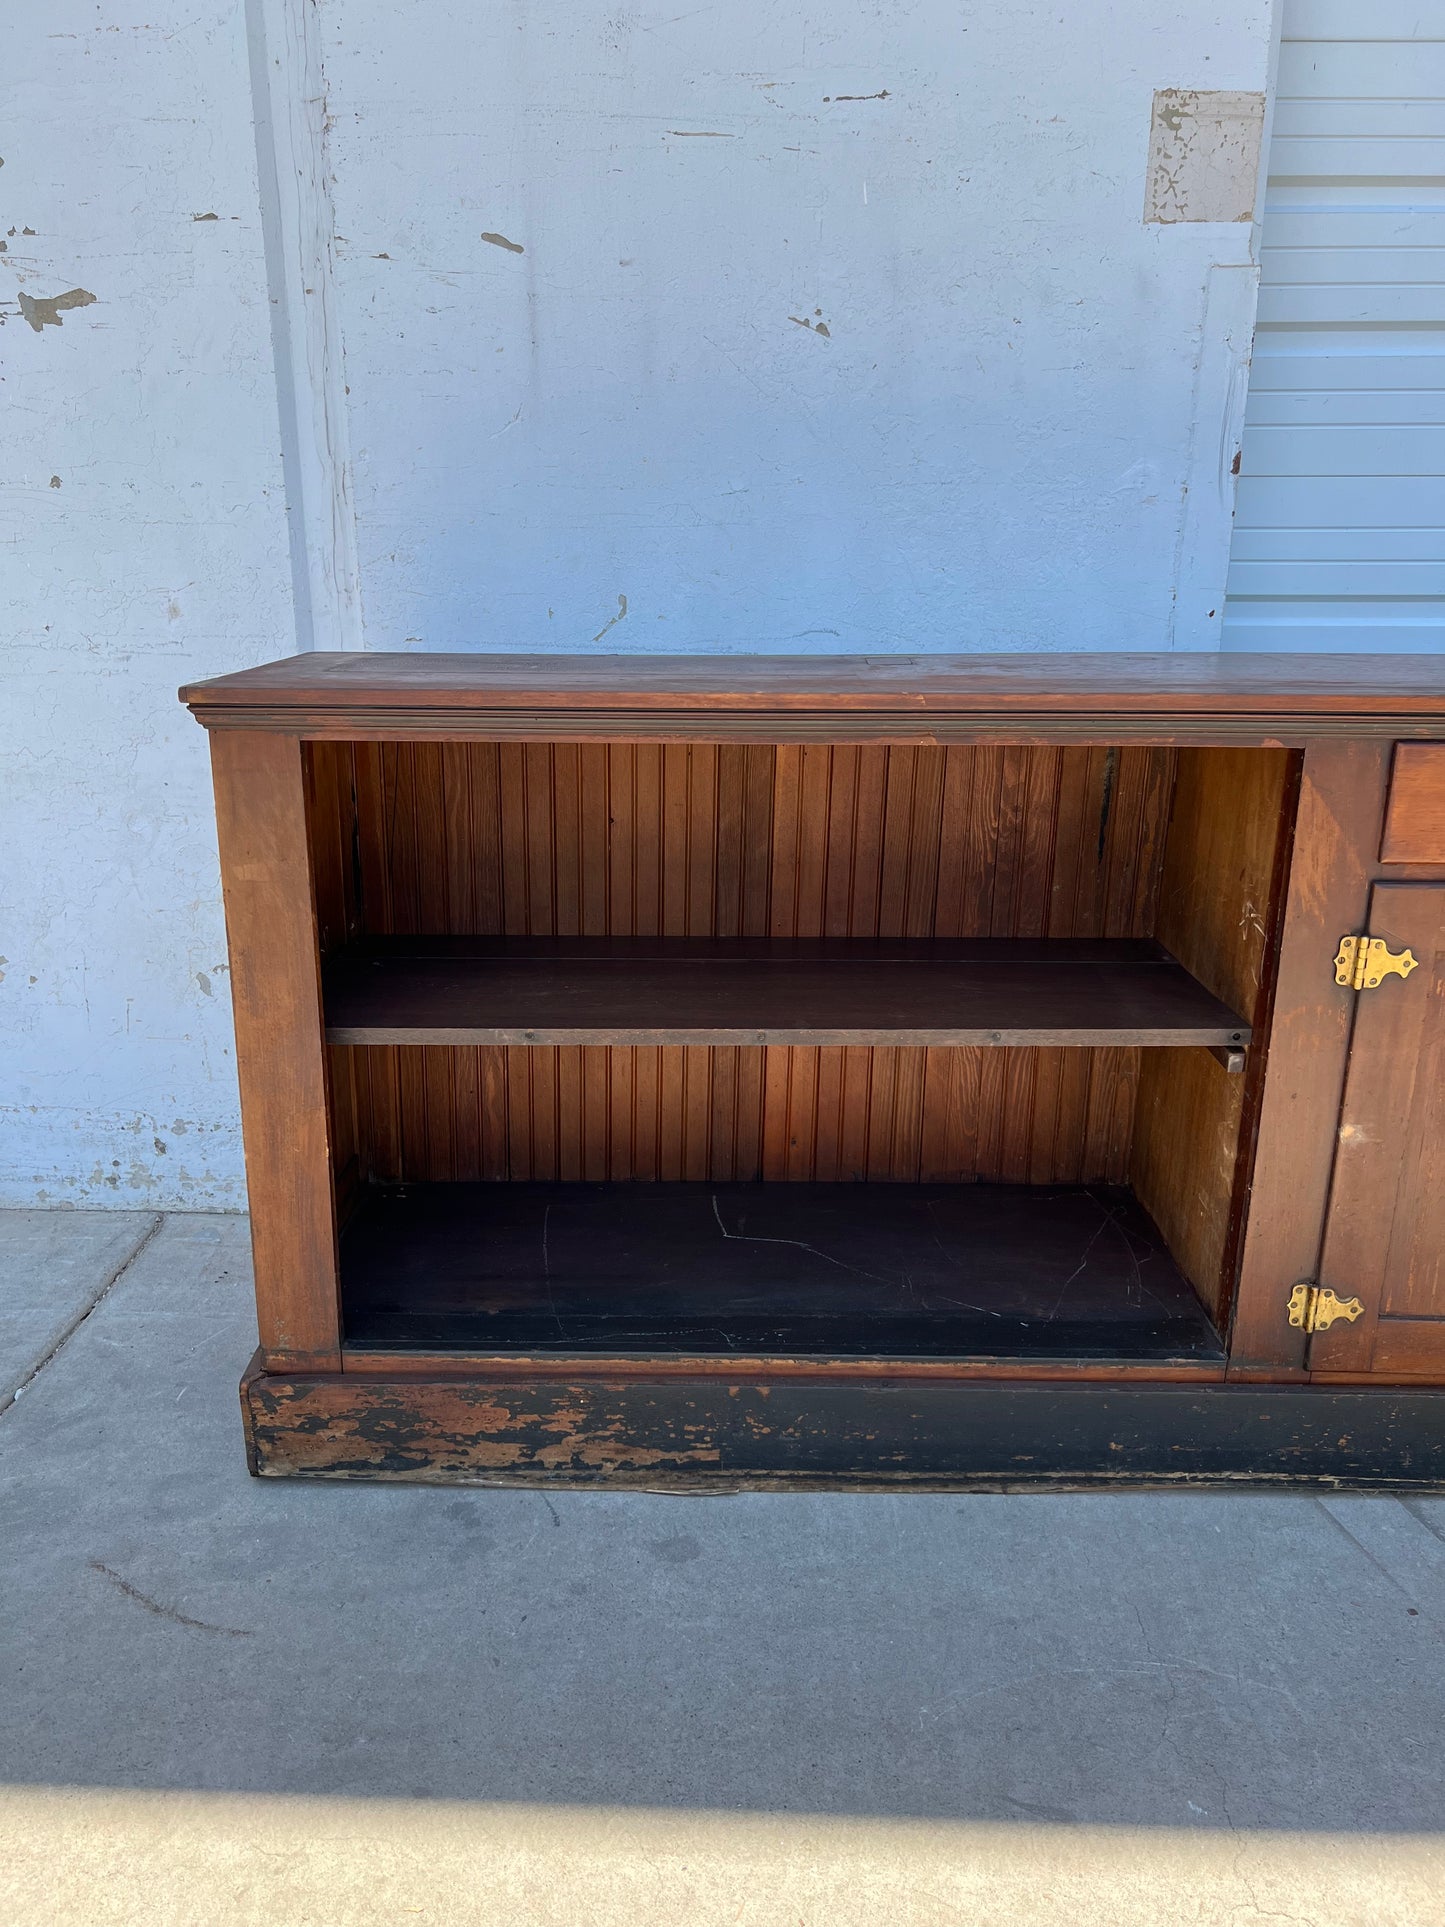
681 990
812 1271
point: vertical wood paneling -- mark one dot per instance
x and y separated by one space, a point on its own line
752 840
1193 1123
330 819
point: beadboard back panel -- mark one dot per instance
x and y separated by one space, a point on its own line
483 839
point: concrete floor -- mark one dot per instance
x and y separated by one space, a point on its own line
226 1701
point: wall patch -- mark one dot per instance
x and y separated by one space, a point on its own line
1203 155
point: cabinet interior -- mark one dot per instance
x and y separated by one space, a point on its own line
859 1199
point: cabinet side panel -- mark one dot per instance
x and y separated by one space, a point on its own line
1336 831
271 928
1218 911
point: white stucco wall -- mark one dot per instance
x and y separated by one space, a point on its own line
820 325
1015 433
142 542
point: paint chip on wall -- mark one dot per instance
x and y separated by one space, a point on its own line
48 311
1203 155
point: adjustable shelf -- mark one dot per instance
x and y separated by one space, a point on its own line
731 991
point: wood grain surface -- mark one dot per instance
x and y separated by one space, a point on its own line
1337 827
1415 816
276 997
351 694
1385 1240
699 990
1219 905
708 840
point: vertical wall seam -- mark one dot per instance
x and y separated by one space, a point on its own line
298 225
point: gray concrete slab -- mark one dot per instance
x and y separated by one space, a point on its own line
1009 1691
53 1267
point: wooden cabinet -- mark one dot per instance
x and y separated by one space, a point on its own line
769 1070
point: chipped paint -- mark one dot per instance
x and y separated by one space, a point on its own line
1204 151
48 311
708 1433
613 621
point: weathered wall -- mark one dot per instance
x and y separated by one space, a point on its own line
143 531
832 324
827 325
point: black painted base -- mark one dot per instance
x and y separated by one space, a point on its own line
690 1434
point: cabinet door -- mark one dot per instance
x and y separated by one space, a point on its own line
1385 1234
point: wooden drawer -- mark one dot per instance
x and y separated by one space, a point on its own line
1415 819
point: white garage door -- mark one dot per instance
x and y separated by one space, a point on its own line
1340 528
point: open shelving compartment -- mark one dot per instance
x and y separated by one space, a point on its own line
850 1056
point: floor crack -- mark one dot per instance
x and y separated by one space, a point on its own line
7 1399
150 1605
1413 1507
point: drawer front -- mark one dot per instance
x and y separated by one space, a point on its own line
1415 820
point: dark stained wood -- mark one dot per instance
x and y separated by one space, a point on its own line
1302 1060
1415 816
1385 1242
1219 698
1219 901
721 1434
821 1271
271 930
610 990
330 772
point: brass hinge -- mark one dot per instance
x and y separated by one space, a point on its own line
1364 962
1313 1309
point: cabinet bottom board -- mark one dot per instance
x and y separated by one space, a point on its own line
808 1271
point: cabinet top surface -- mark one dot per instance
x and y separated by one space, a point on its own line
321 690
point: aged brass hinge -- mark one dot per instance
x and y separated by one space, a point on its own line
1364 962
1313 1309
